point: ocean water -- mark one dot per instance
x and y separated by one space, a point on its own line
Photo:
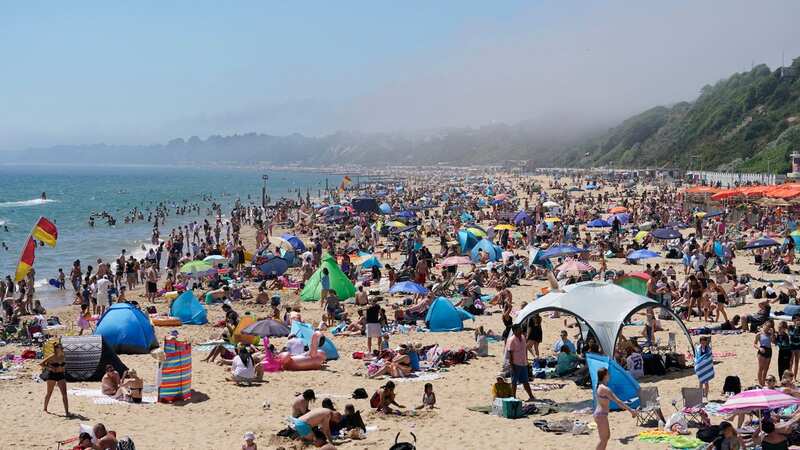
74 193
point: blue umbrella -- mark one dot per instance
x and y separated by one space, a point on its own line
641 254
761 243
408 287
665 234
623 218
677 224
598 223
522 217
405 214
274 266
385 208
560 250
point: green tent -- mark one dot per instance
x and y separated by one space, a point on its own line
339 281
635 282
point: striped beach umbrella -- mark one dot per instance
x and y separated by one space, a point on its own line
758 399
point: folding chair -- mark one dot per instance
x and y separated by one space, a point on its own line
649 406
692 404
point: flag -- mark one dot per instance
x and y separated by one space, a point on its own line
345 182
26 259
45 231
704 366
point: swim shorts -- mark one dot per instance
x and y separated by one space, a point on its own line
519 374
301 427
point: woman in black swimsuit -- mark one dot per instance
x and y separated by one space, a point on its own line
534 337
507 320
54 374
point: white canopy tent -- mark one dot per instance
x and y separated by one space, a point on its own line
602 307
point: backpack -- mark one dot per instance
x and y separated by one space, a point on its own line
732 384
375 400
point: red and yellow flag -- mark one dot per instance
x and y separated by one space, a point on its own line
45 231
345 182
26 259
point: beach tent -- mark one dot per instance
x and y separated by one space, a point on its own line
365 205
443 316
274 266
385 208
598 223
175 372
295 241
602 307
635 282
522 218
189 309
304 331
495 253
86 358
466 241
370 262
126 329
621 383
339 282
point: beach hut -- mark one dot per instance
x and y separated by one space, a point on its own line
126 329
304 331
495 253
189 309
621 383
86 358
339 282
443 316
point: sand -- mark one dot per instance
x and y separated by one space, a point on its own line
220 412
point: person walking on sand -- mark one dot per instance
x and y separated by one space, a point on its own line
517 350
604 397
55 375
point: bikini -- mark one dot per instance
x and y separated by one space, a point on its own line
599 411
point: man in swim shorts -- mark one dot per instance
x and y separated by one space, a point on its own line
317 417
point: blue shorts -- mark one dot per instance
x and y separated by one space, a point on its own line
519 374
303 429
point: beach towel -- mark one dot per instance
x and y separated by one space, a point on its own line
98 398
546 387
704 367
418 376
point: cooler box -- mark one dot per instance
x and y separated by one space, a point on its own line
510 408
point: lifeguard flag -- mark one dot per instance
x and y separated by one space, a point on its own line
26 259
45 231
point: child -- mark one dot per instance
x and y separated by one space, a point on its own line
502 388
385 342
428 397
61 280
84 441
83 319
249 441
704 348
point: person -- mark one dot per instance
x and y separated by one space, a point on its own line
83 320
534 337
131 386
373 326
231 316
361 297
386 398
333 308
604 397
634 362
567 362
249 441
104 440
501 388
302 402
794 341
110 383
728 439
55 375
772 437
428 397
325 284
84 441
101 292
243 368
295 345
317 417
783 342
563 340
38 308
763 345
517 352
704 348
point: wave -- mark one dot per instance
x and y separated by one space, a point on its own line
3 222
31 202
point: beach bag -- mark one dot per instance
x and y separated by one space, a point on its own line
404 445
375 400
653 365
708 434
732 384
360 393
126 443
758 292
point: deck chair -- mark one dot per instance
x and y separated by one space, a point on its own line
692 404
650 408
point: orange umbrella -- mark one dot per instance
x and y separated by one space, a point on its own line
618 209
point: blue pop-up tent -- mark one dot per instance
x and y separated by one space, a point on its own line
443 316
620 382
495 253
189 309
126 329
466 240
304 331
297 244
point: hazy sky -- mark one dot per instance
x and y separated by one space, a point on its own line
149 71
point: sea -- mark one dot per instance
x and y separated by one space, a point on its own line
74 193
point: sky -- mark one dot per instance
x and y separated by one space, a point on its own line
149 71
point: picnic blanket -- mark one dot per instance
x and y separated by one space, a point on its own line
98 398
207 346
673 439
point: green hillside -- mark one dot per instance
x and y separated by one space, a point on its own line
748 122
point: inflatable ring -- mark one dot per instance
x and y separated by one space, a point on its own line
166 321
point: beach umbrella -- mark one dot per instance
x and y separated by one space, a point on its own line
267 328
408 287
641 254
196 268
370 262
477 232
274 266
677 224
522 217
405 214
385 208
573 265
395 224
618 209
560 250
623 218
467 217
215 259
551 204
501 197
505 226
758 399
497 202
598 223
761 243
294 241
665 234
455 261
552 219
